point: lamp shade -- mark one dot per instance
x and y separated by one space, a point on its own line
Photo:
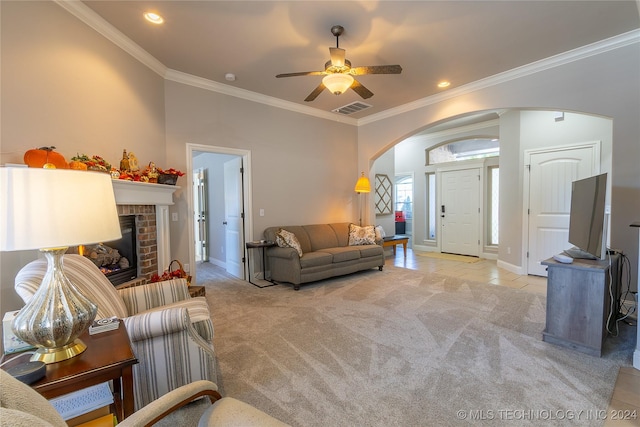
337 83
52 208
363 185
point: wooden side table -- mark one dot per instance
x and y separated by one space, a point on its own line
396 240
108 357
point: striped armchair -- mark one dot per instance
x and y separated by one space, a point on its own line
171 333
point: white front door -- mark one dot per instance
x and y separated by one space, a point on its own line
550 178
234 213
460 211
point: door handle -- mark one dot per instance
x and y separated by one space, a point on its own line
224 222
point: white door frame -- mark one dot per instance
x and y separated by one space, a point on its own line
248 217
594 145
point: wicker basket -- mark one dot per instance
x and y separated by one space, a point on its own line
179 272
172 273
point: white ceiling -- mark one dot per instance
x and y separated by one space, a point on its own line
459 41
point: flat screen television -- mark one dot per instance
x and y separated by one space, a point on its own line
587 220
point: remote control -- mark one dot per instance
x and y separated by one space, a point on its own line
563 259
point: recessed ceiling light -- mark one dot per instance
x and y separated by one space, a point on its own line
443 84
153 18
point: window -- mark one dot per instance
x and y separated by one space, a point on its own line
404 198
464 149
494 200
431 206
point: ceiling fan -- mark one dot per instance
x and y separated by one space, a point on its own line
339 73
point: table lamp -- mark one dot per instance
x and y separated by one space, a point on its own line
50 210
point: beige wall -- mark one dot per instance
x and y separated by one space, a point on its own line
65 85
303 168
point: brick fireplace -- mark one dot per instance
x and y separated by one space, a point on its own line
146 240
149 203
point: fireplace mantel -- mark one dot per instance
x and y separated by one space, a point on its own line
142 193
161 196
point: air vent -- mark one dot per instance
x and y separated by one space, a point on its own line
354 107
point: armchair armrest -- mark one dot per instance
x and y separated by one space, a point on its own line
157 323
199 315
142 298
168 403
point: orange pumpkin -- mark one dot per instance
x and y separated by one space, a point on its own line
39 157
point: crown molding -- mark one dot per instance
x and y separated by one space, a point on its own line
206 84
616 42
95 21
111 33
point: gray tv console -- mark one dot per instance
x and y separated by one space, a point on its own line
579 303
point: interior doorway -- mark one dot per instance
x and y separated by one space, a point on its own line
551 172
224 203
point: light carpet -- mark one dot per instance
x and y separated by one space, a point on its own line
403 348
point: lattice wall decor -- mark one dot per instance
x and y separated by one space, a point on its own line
383 199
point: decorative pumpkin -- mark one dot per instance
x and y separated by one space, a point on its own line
75 164
45 157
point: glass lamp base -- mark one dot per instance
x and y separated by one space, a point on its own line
53 355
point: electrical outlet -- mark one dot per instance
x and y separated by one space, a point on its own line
174 216
261 212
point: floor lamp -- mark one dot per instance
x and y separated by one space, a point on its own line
50 210
362 186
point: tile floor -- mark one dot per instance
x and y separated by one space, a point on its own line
624 408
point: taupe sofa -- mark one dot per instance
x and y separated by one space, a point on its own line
325 253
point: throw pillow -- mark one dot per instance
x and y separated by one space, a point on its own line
286 239
361 235
380 234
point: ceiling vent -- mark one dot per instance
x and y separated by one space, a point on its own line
354 107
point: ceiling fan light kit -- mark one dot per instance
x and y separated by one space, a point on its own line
339 73
337 83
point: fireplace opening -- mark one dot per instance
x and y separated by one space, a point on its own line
117 259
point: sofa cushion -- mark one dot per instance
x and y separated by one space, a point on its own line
342 232
321 236
343 253
286 239
369 250
315 259
361 235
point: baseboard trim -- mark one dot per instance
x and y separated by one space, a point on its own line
218 262
510 267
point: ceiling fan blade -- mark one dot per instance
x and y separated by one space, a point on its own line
337 56
303 73
376 69
313 95
361 90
